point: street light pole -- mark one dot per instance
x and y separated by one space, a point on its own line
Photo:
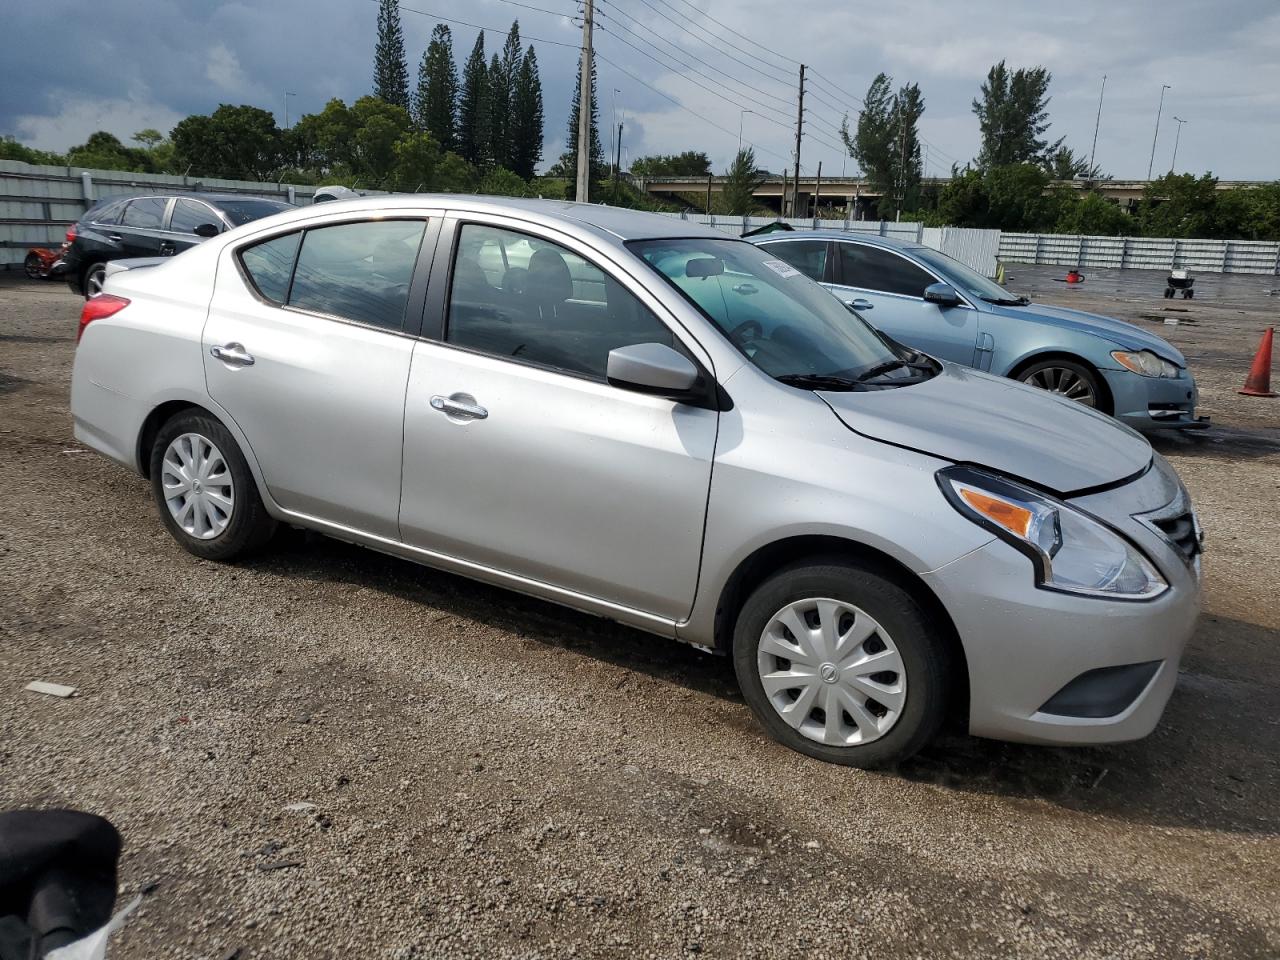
1178 136
1097 123
741 113
287 95
1160 109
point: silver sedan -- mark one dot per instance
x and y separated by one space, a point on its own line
667 427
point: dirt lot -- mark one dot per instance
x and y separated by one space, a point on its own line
495 777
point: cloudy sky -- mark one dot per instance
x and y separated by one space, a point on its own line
680 79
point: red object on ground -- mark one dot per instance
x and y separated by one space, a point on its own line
1074 276
1258 383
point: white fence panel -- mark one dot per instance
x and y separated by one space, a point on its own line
1142 253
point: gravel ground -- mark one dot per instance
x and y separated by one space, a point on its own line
486 775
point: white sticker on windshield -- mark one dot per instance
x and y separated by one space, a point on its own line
781 268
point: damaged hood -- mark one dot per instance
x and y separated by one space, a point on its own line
966 416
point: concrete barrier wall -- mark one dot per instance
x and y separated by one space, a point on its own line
1143 253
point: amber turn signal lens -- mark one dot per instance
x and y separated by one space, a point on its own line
1010 516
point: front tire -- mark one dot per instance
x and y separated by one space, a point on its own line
842 664
207 496
1066 378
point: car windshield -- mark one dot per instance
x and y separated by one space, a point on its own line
240 212
786 324
965 278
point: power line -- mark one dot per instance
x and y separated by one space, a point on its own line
477 26
743 36
690 66
756 66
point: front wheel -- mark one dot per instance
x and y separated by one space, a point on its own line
1065 378
842 664
207 497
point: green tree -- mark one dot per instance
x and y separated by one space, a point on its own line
1180 205
473 108
11 149
595 152
503 73
390 69
886 143
454 175
1249 213
1093 215
742 179
526 118
104 151
435 102
417 155
501 182
378 127
1063 164
149 138
1013 197
1012 114
236 142
691 163
325 141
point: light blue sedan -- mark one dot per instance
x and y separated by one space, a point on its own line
927 300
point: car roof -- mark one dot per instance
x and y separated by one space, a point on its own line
615 224
870 239
208 197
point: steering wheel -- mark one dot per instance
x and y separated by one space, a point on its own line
746 330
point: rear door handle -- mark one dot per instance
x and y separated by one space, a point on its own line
167 249
114 237
459 406
232 354
859 304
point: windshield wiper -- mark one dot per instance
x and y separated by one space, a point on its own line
1007 301
817 381
872 372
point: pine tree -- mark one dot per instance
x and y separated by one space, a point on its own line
1012 114
502 83
499 102
473 107
595 151
390 70
526 117
435 103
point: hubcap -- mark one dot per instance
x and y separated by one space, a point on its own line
197 486
1064 382
832 672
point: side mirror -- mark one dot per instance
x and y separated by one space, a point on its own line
943 294
207 230
651 368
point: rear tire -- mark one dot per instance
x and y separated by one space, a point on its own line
867 648
205 492
31 266
94 277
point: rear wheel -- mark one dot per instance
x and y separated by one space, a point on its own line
94 278
1065 378
31 266
207 497
842 664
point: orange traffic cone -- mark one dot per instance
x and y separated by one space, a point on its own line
1258 383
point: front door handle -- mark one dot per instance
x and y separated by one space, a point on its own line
459 406
232 354
859 304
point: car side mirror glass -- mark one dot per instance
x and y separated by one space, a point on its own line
206 230
943 294
651 368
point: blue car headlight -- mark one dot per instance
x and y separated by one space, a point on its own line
1145 363
1070 550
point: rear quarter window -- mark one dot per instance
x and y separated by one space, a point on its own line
269 265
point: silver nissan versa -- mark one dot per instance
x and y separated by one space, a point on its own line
644 419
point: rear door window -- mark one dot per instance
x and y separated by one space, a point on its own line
873 268
270 265
189 214
108 212
358 271
807 256
146 213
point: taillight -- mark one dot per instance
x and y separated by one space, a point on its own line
71 234
95 308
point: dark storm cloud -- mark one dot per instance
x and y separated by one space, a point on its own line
71 68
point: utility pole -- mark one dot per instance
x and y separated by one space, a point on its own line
617 164
287 95
708 195
1160 109
817 189
902 167
1174 162
795 192
1097 123
584 106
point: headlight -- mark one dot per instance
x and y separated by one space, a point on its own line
1071 551
1145 363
